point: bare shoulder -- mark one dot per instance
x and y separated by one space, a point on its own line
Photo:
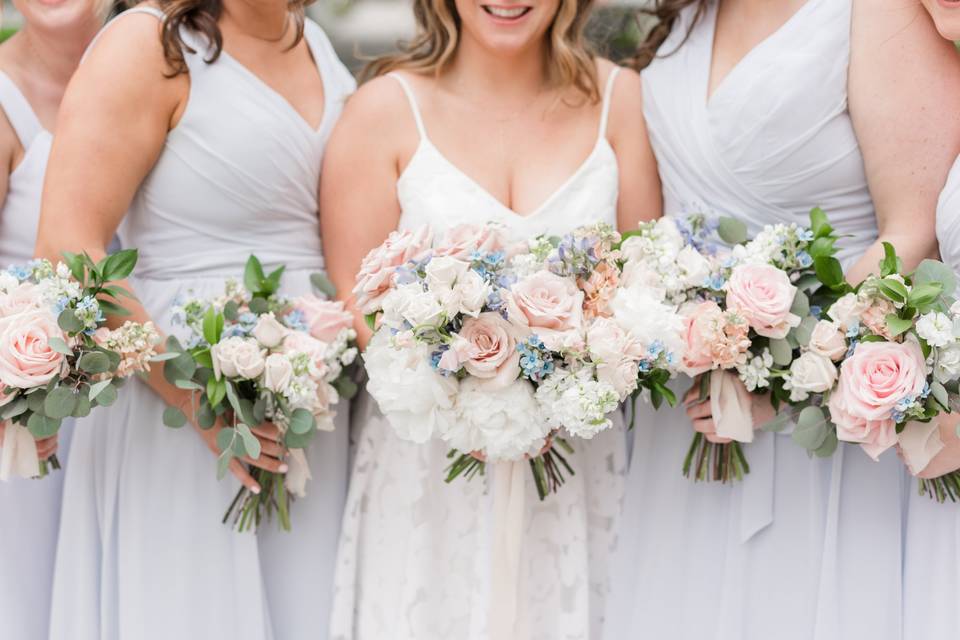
378 111
626 99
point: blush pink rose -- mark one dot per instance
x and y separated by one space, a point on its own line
462 240
378 267
872 381
24 297
549 306
874 317
325 319
487 349
764 295
26 357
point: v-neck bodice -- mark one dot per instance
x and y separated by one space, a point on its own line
434 191
775 139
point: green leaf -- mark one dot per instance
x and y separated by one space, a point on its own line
60 403
272 281
897 325
118 292
936 271
346 387
189 385
108 396
822 248
924 295
371 321
68 321
250 442
180 368
889 264
893 289
811 430
231 310
212 326
163 357
940 394
94 362
113 309
253 275
75 263
780 422
819 223
225 439
805 330
14 409
203 358
174 418
223 464
259 306
42 426
119 265
35 400
206 418
83 407
829 445
173 344
60 346
260 410
302 421
829 271
97 387
322 284
732 231
781 351
297 441
801 305
216 391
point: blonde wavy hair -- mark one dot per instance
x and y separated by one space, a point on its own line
438 34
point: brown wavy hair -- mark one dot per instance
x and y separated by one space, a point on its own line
438 33
202 16
665 12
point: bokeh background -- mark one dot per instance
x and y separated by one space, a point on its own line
363 28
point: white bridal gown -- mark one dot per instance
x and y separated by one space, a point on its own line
29 509
802 549
143 554
415 557
931 565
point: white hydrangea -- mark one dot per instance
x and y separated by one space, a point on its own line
578 402
658 258
504 423
936 328
947 363
755 374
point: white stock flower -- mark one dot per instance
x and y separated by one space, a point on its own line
237 357
947 367
504 423
936 328
755 374
577 402
415 398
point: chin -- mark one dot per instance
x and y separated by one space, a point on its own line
946 15
59 15
507 27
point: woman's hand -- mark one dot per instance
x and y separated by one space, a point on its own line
701 417
948 459
271 457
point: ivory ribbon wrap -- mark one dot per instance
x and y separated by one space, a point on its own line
920 442
298 474
731 407
18 455
509 491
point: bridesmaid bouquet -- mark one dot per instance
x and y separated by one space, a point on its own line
254 356
503 351
748 323
57 357
896 341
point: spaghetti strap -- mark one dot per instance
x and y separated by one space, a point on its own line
607 93
153 11
408 90
19 112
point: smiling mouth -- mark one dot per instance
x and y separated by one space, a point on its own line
507 13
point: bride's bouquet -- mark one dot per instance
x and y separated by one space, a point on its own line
503 352
747 324
57 357
252 356
888 357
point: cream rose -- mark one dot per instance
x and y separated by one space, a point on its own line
442 272
827 340
473 292
810 373
847 310
26 357
764 295
237 357
277 372
269 332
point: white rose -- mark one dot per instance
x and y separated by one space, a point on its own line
827 340
415 399
810 373
639 311
444 271
947 366
694 267
269 332
277 372
936 328
620 374
237 357
474 291
423 309
505 423
847 310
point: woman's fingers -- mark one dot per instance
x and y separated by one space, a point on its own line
272 448
715 439
46 447
267 463
243 475
267 431
701 410
704 425
692 395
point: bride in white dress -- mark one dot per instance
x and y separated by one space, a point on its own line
495 114
931 564
205 154
762 110
35 66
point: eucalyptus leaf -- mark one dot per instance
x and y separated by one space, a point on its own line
206 418
225 438
174 418
780 422
940 393
223 465
98 387
60 403
801 304
180 368
829 445
297 441
259 306
231 310
35 400
94 362
346 387
108 396
163 357
322 283
42 426
781 351
936 271
732 231
811 430
250 442
60 346
83 407
260 410
804 331
69 322
302 421
189 385
14 409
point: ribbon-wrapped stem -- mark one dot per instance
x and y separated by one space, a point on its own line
249 509
714 462
50 464
946 487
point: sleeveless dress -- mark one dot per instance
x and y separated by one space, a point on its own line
416 552
143 554
805 549
30 508
931 564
